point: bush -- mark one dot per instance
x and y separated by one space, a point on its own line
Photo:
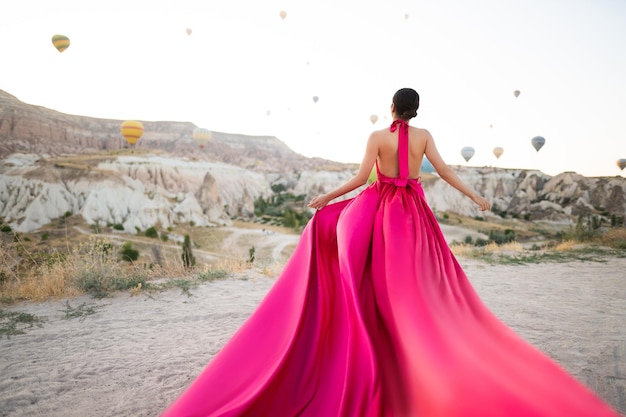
44 236
151 232
118 226
128 253
6 228
468 240
500 237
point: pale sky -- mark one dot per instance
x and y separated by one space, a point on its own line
132 59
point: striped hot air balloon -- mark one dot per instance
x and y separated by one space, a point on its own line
132 130
61 42
202 136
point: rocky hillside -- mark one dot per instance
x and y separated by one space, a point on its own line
25 128
54 164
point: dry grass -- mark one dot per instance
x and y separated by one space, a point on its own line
615 238
566 245
462 249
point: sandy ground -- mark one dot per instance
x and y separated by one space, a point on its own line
135 355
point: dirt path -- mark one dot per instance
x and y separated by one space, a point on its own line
134 355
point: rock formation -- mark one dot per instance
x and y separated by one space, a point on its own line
54 164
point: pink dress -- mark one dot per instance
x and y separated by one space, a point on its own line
373 317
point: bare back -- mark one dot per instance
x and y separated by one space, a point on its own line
387 142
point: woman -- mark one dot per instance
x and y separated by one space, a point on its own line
373 317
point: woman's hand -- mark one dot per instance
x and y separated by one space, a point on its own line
319 202
483 203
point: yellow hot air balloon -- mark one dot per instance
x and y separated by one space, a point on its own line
498 151
132 130
621 163
373 119
61 42
283 14
202 136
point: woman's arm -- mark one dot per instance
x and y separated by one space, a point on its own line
446 173
371 152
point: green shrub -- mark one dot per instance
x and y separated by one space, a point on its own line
44 236
500 237
118 226
128 253
212 274
151 232
6 228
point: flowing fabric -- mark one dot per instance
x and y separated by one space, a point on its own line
373 317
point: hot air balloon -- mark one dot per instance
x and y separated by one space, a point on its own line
621 163
132 130
467 153
283 14
315 98
202 136
188 30
538 142
61 42
373 119
498 151
516 93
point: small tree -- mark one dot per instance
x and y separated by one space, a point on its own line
188 259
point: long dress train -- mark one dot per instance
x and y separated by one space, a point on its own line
372 316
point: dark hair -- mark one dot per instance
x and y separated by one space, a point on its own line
406 101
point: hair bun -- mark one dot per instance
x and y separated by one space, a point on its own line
409 114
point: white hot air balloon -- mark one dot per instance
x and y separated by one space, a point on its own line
498 151
467 152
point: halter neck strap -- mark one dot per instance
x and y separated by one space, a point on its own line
403 150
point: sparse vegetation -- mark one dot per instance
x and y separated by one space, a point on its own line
80 312
13 323
282 208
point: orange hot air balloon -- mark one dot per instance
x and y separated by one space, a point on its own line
202 136
61 42
132 130
498 151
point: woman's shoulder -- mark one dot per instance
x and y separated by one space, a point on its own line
419 131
